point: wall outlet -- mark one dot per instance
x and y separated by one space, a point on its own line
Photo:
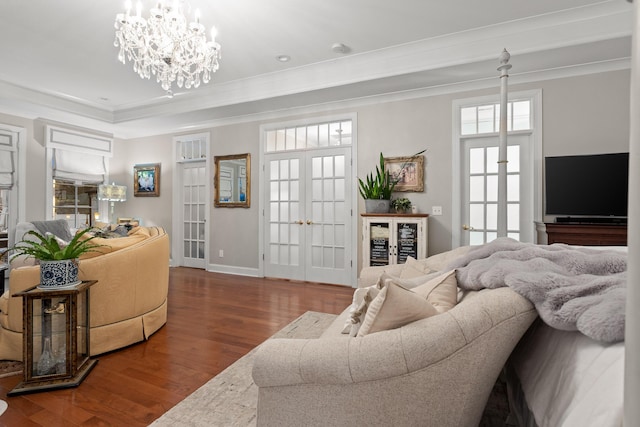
221 253
436 210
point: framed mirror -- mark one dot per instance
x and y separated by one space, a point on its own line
232 181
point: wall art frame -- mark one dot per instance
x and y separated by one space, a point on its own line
146 180
408 171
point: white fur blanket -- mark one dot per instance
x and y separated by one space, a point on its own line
572 288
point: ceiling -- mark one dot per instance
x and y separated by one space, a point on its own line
58 60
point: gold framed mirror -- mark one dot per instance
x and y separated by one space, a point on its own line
232 181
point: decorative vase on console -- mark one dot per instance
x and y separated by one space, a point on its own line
46 364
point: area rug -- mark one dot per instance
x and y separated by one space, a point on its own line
230 398
9 368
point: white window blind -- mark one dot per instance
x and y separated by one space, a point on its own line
77 166
6 169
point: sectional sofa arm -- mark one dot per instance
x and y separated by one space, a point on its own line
444 343
343 360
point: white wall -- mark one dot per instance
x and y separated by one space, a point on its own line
585 114
156 149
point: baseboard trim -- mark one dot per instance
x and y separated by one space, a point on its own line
228 269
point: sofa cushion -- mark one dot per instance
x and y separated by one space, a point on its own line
441 291
393 307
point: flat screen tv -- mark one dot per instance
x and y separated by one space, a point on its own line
587 185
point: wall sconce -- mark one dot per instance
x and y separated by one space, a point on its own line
112 193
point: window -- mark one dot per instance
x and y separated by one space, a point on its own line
78 163
317 135
75 202
12 140
483 119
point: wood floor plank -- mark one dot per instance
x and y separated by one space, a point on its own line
213 320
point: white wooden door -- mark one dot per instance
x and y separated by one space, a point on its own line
308 215
480 190
194 202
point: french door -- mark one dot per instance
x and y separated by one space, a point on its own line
194 202
480 189
189 241
308 215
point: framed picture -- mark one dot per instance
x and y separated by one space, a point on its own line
146 180
408 171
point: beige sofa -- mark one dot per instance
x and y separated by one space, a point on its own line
437 371
127 305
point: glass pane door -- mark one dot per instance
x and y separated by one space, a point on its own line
308 215
284 216
328 230
194 203
480 195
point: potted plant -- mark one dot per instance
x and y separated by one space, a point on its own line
376 190
58 259
401 205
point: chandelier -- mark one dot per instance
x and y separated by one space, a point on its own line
166 46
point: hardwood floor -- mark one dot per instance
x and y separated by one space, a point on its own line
214 319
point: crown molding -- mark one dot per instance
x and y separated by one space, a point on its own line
350 104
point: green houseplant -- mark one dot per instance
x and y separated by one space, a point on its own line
58 259
376 189
401 205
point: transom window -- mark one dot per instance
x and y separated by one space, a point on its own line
317 135
482 119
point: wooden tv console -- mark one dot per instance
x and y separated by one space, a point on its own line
587 234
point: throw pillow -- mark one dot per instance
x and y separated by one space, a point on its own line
62 243
361 299
413 268
407 283
441 292
393 307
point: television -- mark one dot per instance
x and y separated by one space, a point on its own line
587 186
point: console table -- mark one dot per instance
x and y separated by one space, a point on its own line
587 234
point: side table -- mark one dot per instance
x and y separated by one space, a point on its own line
55 337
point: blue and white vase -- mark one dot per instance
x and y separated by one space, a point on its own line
55 274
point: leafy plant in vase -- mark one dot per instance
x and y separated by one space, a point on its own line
58 259
376 189
401 205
